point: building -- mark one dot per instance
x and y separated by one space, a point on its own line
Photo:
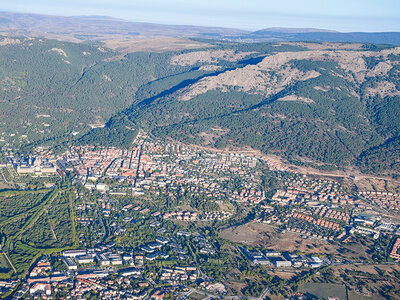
103 260
84 259
365 231
39 288
129 272
70 263
74 253
282 263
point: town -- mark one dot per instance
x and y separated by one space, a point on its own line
150 222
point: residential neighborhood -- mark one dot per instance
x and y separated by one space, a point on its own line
150 220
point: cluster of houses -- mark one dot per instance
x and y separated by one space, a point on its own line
320 222
302 189
382 199
177 274
181 216
41 285
325 212
153 249
250 196
298 196
215 215
79 279
394 253
8 285
151 165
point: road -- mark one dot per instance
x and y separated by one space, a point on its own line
11 264
51 226
264 294
151 281
187 294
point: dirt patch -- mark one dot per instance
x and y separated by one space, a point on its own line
209 56
274 73
59 51
296 98
152 44
235 285
384 88
283 274
251 234
9 41
266 78
381 68
370 183
324 89
329 46
268 237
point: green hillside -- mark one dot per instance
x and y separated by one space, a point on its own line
49 89
311 103
320 108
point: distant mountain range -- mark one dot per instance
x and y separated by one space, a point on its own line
100 28
291 30
80 28
267 35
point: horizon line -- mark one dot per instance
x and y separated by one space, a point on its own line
327 30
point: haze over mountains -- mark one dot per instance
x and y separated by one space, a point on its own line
100 27
82 28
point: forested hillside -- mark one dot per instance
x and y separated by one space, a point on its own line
312 103
54 90
308 102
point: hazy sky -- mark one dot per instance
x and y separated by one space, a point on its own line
342 15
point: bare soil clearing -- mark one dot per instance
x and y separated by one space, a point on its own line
161 44
257 235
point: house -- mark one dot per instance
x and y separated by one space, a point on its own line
40 287
162 240
158 295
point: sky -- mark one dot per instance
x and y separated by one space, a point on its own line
341 15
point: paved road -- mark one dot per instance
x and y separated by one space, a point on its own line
264 294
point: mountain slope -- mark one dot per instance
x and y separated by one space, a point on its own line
50 88
311 103
382 159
